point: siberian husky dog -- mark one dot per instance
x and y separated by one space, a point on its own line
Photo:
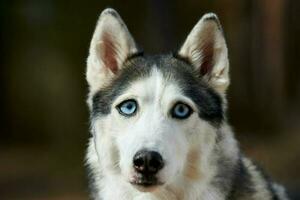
158 123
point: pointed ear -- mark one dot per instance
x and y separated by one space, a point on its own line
111 45
205 48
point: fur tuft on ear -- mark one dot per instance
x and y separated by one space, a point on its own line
111 45
206 49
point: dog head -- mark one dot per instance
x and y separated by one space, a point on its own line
155 118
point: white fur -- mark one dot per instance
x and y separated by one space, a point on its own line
117 139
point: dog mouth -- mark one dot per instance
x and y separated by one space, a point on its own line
146 183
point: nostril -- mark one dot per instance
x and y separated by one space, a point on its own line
155 162
139 163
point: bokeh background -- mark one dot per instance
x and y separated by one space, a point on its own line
44 120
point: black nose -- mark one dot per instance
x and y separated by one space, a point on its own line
147 162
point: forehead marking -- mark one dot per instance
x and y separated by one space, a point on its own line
159 84
148 88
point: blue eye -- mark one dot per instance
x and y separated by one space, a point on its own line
128 107
181 111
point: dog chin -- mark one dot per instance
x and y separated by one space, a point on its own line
147 188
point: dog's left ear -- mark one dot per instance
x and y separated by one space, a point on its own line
205 48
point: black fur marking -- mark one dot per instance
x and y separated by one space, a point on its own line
137 54
209 103
180 57
110 11
134 68
226 172
269 183
91 178
242 185
213 18
271 189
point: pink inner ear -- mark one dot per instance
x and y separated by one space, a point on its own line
109 55
207 58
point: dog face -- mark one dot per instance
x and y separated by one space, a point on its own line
154 118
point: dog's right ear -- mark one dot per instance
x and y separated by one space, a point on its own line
111 45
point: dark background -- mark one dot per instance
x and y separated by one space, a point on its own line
44 120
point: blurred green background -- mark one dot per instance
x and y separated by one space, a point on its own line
44 121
